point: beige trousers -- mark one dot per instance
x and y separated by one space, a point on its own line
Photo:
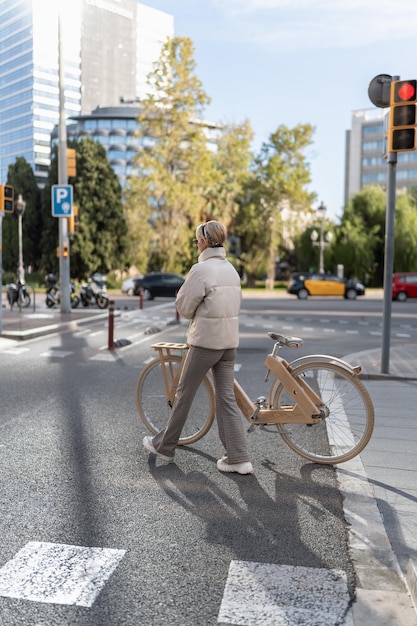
229 419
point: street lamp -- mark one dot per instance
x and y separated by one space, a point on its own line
321 243
19 207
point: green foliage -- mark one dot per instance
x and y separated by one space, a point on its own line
360 240
232 161
278 179
405 246
168 197
21 176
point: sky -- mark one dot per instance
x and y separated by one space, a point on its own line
295 62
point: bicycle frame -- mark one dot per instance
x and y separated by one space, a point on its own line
309 408
171 378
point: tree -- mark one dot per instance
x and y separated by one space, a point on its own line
360 239
279 177
168 196
405 244
21 177
232 160
101 243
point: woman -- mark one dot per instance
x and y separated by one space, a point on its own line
210 297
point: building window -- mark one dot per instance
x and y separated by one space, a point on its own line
373 146
372 129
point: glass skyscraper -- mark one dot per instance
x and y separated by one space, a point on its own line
109 47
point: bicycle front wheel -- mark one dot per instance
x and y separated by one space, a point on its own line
154 408
350 415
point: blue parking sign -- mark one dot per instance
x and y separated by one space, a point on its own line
61 200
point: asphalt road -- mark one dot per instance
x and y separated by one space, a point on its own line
168 539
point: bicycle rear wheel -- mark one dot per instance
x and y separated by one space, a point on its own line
154 408
349 424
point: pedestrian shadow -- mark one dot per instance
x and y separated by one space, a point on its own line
292 523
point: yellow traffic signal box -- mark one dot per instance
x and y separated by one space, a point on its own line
6 198
71 162
402 116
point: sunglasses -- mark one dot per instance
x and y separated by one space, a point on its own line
203 233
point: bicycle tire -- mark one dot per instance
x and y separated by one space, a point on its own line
154 409
346 430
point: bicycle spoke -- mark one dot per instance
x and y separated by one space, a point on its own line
347 428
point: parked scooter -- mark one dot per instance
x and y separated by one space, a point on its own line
95 292
17 294
53 293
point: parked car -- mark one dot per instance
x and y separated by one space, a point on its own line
404 285
158 284
304 284
128 285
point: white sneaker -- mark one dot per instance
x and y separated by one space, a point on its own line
147 444
240 468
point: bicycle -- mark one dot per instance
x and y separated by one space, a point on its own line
321 409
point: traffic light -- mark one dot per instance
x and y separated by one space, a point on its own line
65 250
7 198
73 221
71 162
402 116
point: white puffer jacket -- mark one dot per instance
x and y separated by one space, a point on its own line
211 297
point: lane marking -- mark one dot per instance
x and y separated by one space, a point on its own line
15 351
109 355
264 594
58 573
52 352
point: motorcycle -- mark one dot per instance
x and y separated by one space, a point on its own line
53 293
94 292
17 294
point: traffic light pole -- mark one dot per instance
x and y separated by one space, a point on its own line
64 261
388 261
1 272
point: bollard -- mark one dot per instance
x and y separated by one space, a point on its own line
141 298
111 325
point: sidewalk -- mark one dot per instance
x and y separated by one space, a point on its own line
380 494
29 323
379 488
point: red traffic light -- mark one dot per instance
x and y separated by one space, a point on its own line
405 91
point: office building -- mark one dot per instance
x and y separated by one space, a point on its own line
364 158
109 47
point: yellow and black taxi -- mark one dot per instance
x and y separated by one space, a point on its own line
305 284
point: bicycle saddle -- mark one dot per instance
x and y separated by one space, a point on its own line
289 342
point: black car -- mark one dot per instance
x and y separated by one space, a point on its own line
304 284
158 284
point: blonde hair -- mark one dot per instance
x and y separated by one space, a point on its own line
213 232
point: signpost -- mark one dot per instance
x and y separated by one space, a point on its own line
62 200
